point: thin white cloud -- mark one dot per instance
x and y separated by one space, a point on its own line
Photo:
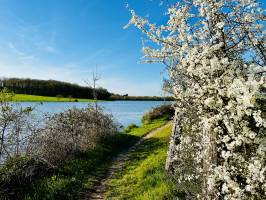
49 49
28 57
31 38
19 54
14 49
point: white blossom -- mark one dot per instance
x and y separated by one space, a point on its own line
216 88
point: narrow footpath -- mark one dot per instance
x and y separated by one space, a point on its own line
99 189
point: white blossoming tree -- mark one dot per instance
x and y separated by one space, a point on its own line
215 53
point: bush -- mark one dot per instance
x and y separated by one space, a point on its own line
17 174
164 111
130 128
72 131
59 96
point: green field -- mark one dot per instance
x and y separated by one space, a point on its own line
35 98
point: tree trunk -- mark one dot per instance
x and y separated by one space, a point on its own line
174 141
208 163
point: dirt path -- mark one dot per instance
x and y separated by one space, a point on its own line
97 193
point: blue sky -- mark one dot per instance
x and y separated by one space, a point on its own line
65 39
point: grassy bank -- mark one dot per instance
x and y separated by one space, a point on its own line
82 171
143 177
146 128
35 98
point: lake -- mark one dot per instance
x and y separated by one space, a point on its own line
124 112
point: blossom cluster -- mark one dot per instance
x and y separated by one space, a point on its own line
215 54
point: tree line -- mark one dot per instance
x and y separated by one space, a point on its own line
55 88
140 98
51 88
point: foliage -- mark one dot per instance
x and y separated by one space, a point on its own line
52 88
130 128
59 96
143 176
71 131
18 173
167 111
215 54
16 125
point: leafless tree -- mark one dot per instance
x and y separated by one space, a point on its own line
16 124
93 83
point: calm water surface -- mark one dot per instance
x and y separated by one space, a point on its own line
124 112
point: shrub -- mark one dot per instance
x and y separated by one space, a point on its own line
71 131
59 96
16 124
130 128
17 174
164 111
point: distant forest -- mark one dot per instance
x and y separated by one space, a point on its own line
140 98
52 88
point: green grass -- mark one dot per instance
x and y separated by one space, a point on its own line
35 98
144 177
146 128
82 171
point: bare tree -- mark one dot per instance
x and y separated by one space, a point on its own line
15 126
93 83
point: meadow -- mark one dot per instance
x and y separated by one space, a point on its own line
36 98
